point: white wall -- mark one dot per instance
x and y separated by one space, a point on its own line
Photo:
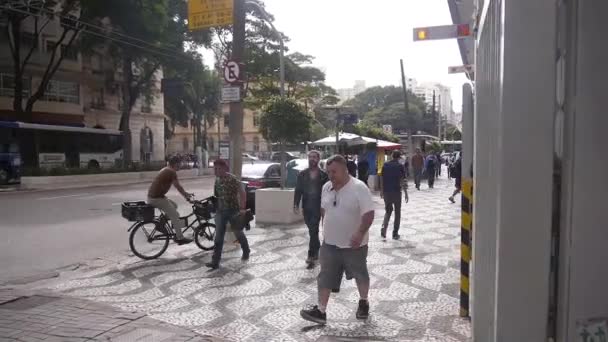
515 109
584 262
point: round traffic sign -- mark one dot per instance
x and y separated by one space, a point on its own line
232 72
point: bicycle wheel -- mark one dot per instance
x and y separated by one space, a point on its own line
147 241
205 236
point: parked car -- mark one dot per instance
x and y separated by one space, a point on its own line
259 176
276 156
249 158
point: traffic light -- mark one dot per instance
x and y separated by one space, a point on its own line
442 32
421 34
463 30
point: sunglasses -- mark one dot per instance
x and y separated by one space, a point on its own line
335 198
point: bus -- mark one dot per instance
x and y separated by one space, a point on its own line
10 160
65 146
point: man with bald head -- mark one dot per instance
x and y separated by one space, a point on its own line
347 210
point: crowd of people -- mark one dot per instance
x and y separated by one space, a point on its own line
336 198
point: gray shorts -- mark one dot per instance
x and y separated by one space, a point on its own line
335 261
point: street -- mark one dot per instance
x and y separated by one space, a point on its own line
47 230
414 281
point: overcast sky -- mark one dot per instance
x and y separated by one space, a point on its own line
364 40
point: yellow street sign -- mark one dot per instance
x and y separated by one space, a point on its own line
209 13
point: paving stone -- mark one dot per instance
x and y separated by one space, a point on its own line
413 294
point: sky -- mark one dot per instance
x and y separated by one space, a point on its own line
364 40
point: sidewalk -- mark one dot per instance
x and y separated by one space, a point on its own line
414 283
39 316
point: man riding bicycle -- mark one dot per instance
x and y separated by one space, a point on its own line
157 197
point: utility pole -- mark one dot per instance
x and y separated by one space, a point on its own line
236 108
410 131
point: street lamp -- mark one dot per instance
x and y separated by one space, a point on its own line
282 47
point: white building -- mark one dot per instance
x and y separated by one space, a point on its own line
349 93
443 98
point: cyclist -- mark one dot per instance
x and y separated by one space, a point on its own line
157 197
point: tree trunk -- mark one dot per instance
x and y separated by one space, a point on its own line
125 127
18 72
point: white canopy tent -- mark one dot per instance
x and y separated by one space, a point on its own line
351 139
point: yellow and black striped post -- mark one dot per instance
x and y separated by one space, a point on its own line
466 235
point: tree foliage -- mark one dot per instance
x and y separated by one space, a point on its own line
284 121
379 106
41 15
154 35
196 100
303 82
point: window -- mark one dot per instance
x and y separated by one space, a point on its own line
7 86
62 91
146 108
186 145
227 120
256 120
244 144
29 39
98 99
50 46
69 53
211 145
256 144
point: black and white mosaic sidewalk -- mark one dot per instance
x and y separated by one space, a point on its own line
413 297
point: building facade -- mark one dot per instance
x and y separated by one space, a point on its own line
182 141
349 93
83 92
443 98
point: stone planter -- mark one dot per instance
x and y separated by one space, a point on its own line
274 207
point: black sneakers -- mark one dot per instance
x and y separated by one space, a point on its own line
363 309
383 233
212 265
396 236
183 241
314 315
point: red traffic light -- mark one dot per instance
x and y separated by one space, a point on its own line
464 30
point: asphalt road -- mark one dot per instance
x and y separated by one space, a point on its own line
47 230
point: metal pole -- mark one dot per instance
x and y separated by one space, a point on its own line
406 106
466 249
236 108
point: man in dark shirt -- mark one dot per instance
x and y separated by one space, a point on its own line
363 168
231 207
352 166
157 192
308 189
418 166
391 183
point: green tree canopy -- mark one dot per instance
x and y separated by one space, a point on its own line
284 121
379 106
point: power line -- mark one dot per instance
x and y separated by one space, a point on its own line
102 35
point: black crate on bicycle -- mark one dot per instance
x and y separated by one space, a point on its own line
204 209
137 211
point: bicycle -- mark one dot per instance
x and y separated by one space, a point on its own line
156 231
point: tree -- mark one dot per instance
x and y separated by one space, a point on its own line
196 99
284 121
42 15
160 38
379 106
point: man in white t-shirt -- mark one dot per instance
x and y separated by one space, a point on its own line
347 210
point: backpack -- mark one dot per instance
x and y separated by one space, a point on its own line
430 163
